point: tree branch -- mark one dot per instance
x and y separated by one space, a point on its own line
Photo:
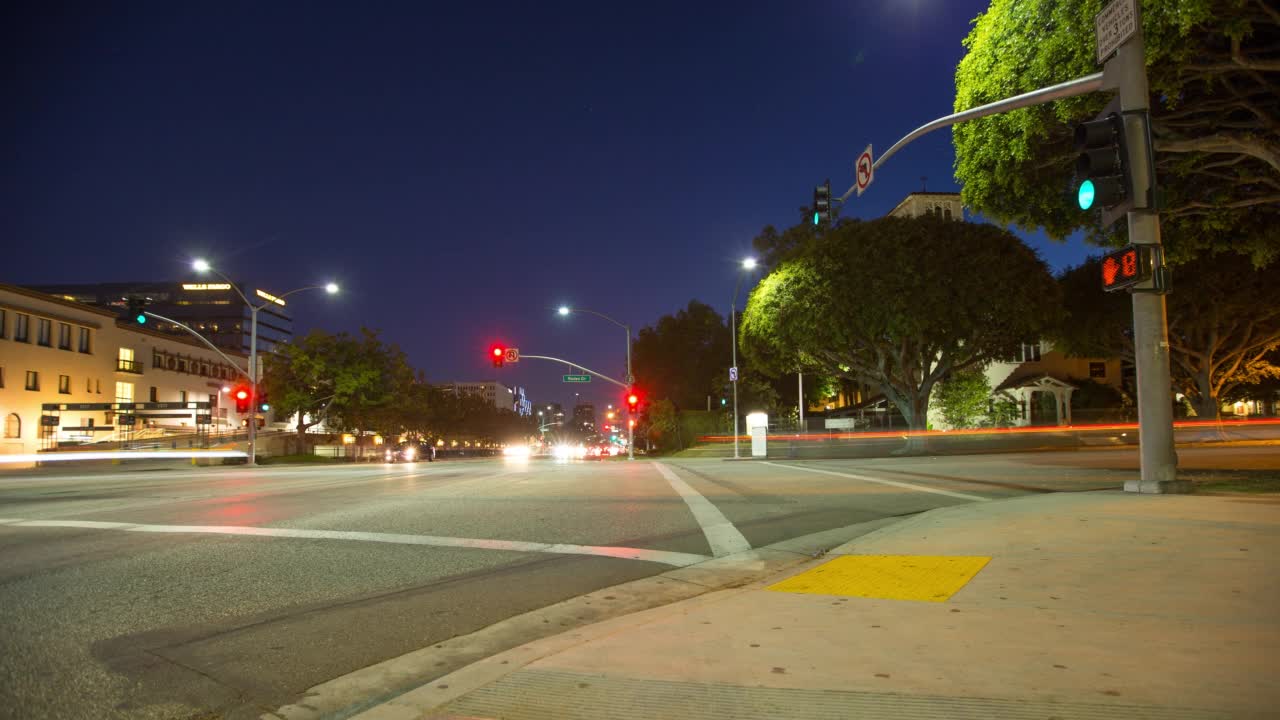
1224 143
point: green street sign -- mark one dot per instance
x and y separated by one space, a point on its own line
577 378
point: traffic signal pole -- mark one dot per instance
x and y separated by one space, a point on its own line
1159 461
1126 73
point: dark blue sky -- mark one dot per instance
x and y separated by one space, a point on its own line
460 169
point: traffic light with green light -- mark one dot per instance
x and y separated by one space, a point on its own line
137 309
1103 177
822 203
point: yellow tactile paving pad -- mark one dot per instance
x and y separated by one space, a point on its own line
927 578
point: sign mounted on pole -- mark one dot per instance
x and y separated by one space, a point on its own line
864 170
512 355
1114 24
577 378
733 374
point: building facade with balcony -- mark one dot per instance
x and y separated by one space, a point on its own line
213 309
58 351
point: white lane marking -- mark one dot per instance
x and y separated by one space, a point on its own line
676 559
895 483
722 536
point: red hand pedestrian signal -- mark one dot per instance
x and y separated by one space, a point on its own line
1126 268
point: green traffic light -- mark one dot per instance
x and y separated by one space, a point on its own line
265 407
1086 194
816 216
142 319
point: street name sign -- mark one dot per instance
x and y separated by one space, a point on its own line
864 170
1114 24
577 378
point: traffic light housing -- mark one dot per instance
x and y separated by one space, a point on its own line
241 396
822 203
136 312
1104 177
496 354
633 402
263 404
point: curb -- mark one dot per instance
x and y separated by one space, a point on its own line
464 663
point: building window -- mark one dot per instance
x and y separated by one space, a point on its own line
33 380
154 394
126 363
1 377
124 392
1098 370
1030 352
84 340
64 384
21 328
44 332
182 396
88 385
64 336
12 426
2 325
946 212
97 387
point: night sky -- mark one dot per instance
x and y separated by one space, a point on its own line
460 169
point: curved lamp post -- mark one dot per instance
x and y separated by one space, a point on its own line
564 310
201 265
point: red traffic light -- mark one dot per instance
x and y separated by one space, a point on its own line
1126 268
496 354
242 394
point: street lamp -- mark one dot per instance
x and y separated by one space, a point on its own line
201 265
748 264
564 310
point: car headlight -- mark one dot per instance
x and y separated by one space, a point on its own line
410 453
388 456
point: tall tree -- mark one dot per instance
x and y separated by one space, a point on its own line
1224 323
1214 72
337 379
683 357
902 303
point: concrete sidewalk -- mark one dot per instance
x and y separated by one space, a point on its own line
1092 605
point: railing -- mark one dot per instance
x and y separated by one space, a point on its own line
129 366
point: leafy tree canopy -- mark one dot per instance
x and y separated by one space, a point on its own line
963 398
901 303
1224 324
684 357
1214 74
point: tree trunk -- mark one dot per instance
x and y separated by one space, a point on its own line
915 410
1206 403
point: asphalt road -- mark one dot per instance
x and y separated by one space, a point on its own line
227 592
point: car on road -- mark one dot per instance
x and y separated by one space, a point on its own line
410 452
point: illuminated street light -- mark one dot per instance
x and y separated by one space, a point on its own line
564 310
749 264
201 265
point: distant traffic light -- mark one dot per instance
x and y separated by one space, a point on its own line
241 396
822 203
263 404
496 354
137 309
1102 167
633 402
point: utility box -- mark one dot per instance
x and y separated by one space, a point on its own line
758 429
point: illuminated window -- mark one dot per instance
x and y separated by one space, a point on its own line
124 392
12 426
1098 370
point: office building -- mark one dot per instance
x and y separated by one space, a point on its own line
57 351
213 309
